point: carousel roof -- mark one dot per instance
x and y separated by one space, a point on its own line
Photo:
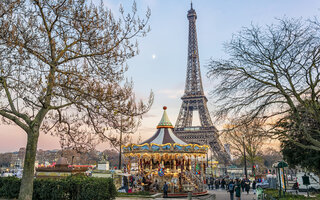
165 132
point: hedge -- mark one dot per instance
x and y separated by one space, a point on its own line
71 188
9 187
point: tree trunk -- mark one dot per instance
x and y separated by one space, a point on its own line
26 188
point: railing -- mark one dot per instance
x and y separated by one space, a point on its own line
196 179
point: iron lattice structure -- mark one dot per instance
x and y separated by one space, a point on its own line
195 100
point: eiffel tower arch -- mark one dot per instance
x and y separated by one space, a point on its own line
194 100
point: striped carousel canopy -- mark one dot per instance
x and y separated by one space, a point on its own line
165 132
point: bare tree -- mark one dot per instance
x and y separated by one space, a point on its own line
251 136
271 156
271 70
62 66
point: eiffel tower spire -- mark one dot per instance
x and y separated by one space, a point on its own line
193 80
194 100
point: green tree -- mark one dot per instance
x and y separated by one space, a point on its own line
269 72
62 66
296 155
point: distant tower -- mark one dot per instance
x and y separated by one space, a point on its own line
195 100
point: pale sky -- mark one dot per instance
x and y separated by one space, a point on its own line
161 64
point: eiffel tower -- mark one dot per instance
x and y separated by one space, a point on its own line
195 100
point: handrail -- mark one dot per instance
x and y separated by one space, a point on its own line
197 179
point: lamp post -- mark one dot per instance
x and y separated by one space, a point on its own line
120 143
244 157
207 156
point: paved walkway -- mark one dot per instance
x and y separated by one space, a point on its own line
224 195
220 195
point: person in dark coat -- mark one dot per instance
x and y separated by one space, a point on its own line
223 183
231 187
125 183
165 190
254 184
247 185
238 190
211 183
217 183
242 184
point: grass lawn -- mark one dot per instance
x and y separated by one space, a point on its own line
289 196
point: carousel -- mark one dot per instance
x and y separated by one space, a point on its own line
165 157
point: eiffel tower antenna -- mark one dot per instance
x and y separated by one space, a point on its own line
195 100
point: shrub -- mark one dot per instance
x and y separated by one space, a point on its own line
71 188
97 188
50 189
9 187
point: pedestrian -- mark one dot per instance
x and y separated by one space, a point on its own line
238 190
125 183
227 184
156 186
254 183
165 190
242 185
208 182
231 189
211 182
223 183
247 186
217 183
296 186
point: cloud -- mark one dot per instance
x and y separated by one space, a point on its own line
148 115
172 94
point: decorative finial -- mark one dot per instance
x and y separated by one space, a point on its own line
164 122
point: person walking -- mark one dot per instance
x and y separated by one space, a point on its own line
238 190
223 183
165 190
211 182
231 189
242 185
247 186
217 183
254 184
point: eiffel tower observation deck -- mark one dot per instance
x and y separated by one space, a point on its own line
194 100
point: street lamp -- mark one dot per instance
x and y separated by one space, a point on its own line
245 159
120 143
207 156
